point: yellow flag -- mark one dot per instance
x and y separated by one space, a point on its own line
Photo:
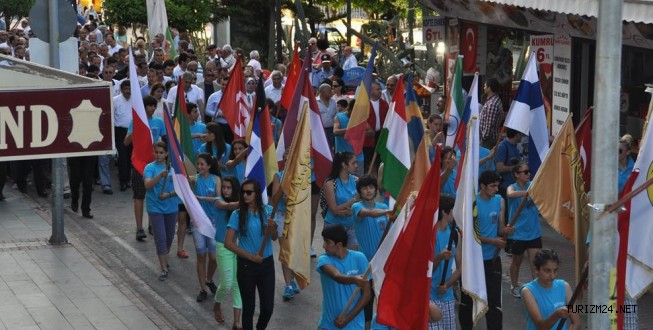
559 194
296 185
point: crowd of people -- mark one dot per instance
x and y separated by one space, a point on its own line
355 208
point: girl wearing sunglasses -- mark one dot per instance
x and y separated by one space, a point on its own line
528 232
246 231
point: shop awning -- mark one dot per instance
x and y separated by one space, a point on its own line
633 10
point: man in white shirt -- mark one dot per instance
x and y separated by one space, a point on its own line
181 66
350 59
192 93
275 90
228 60
113 47
122 116
254 62
212 111
390 85
328 111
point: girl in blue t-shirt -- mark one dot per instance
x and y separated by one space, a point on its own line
545 298
161 204
340 193
207 188
247 232
226 259
235 166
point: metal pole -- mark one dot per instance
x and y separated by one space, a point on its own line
348 22
604 160
58 235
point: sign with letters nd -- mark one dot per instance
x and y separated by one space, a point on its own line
47 113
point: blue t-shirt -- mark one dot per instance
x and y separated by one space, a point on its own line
205 187
197 128
368 229
625 173
489 165
153 203
237 172
509 155
449 186
336 295
341 143
214 152
251 242
277 128
344 192
528 225
548 300
157 127
281 207
221 220
441 244
488 222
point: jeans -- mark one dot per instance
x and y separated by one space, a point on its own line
105 172
228 283
494 315
163 227
252 276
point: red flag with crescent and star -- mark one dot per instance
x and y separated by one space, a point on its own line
468 47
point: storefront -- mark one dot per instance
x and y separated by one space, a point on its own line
564 42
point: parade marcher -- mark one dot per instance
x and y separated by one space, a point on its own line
442 294
341 271
328 110
545 298
339 90
246 231
275 90
226 259
161 204
235 167
449 171
528 232
340 193
81 172
436 135
491 214
340 123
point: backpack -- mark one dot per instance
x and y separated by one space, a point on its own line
323 202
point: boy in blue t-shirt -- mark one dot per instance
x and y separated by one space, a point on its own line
341 272
370 217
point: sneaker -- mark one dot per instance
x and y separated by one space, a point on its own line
202 296
140 234
212 287
182 254
295 286
163 276
515 291
313 255
288 293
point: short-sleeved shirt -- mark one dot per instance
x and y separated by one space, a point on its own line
255 232
341 144
152 201
344 192
221 220
197 128
625 173
509 155
489 165
336 295
368 229
489 211
224 158
205 187
441 244
327 111
157 128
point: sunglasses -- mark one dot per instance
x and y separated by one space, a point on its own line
524 171
247 192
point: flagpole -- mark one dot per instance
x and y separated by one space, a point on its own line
369 170
514 218
621 202
449 246
575 295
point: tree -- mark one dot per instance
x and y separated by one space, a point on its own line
14 10
185 15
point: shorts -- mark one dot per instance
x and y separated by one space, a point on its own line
315 190
203 244
518 247
448 320
138 185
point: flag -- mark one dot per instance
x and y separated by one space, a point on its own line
414 119
181 123
157 18
393 147
234 102
527 115
471 110
639 268
142 153
172 52
558 192
294 69
201 221
417 173
294 252
465 211
468 46
403 264
304 100
355 133
455 104
261 164
584 139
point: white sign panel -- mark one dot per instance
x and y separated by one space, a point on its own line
561 80
433 28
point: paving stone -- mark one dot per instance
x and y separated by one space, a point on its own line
133 318
49 318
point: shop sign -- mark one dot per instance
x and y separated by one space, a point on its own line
55 123
433 29
561 79
542 46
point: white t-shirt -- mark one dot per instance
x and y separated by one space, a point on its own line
375 106
122 111
194 95
273 93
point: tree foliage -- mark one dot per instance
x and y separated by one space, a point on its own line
185 15
14 10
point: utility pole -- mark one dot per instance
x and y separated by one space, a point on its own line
605 139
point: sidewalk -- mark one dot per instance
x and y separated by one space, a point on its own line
55 287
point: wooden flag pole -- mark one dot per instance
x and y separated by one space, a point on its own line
513 220
575 295
616 206
449 246
369 170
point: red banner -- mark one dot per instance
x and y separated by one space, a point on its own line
55 123
469 43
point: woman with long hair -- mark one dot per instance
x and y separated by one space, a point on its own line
226 259
340 193
215 145
236 166
157 91
161 203
246 232
339 90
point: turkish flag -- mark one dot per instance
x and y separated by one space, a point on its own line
468 46
584 139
